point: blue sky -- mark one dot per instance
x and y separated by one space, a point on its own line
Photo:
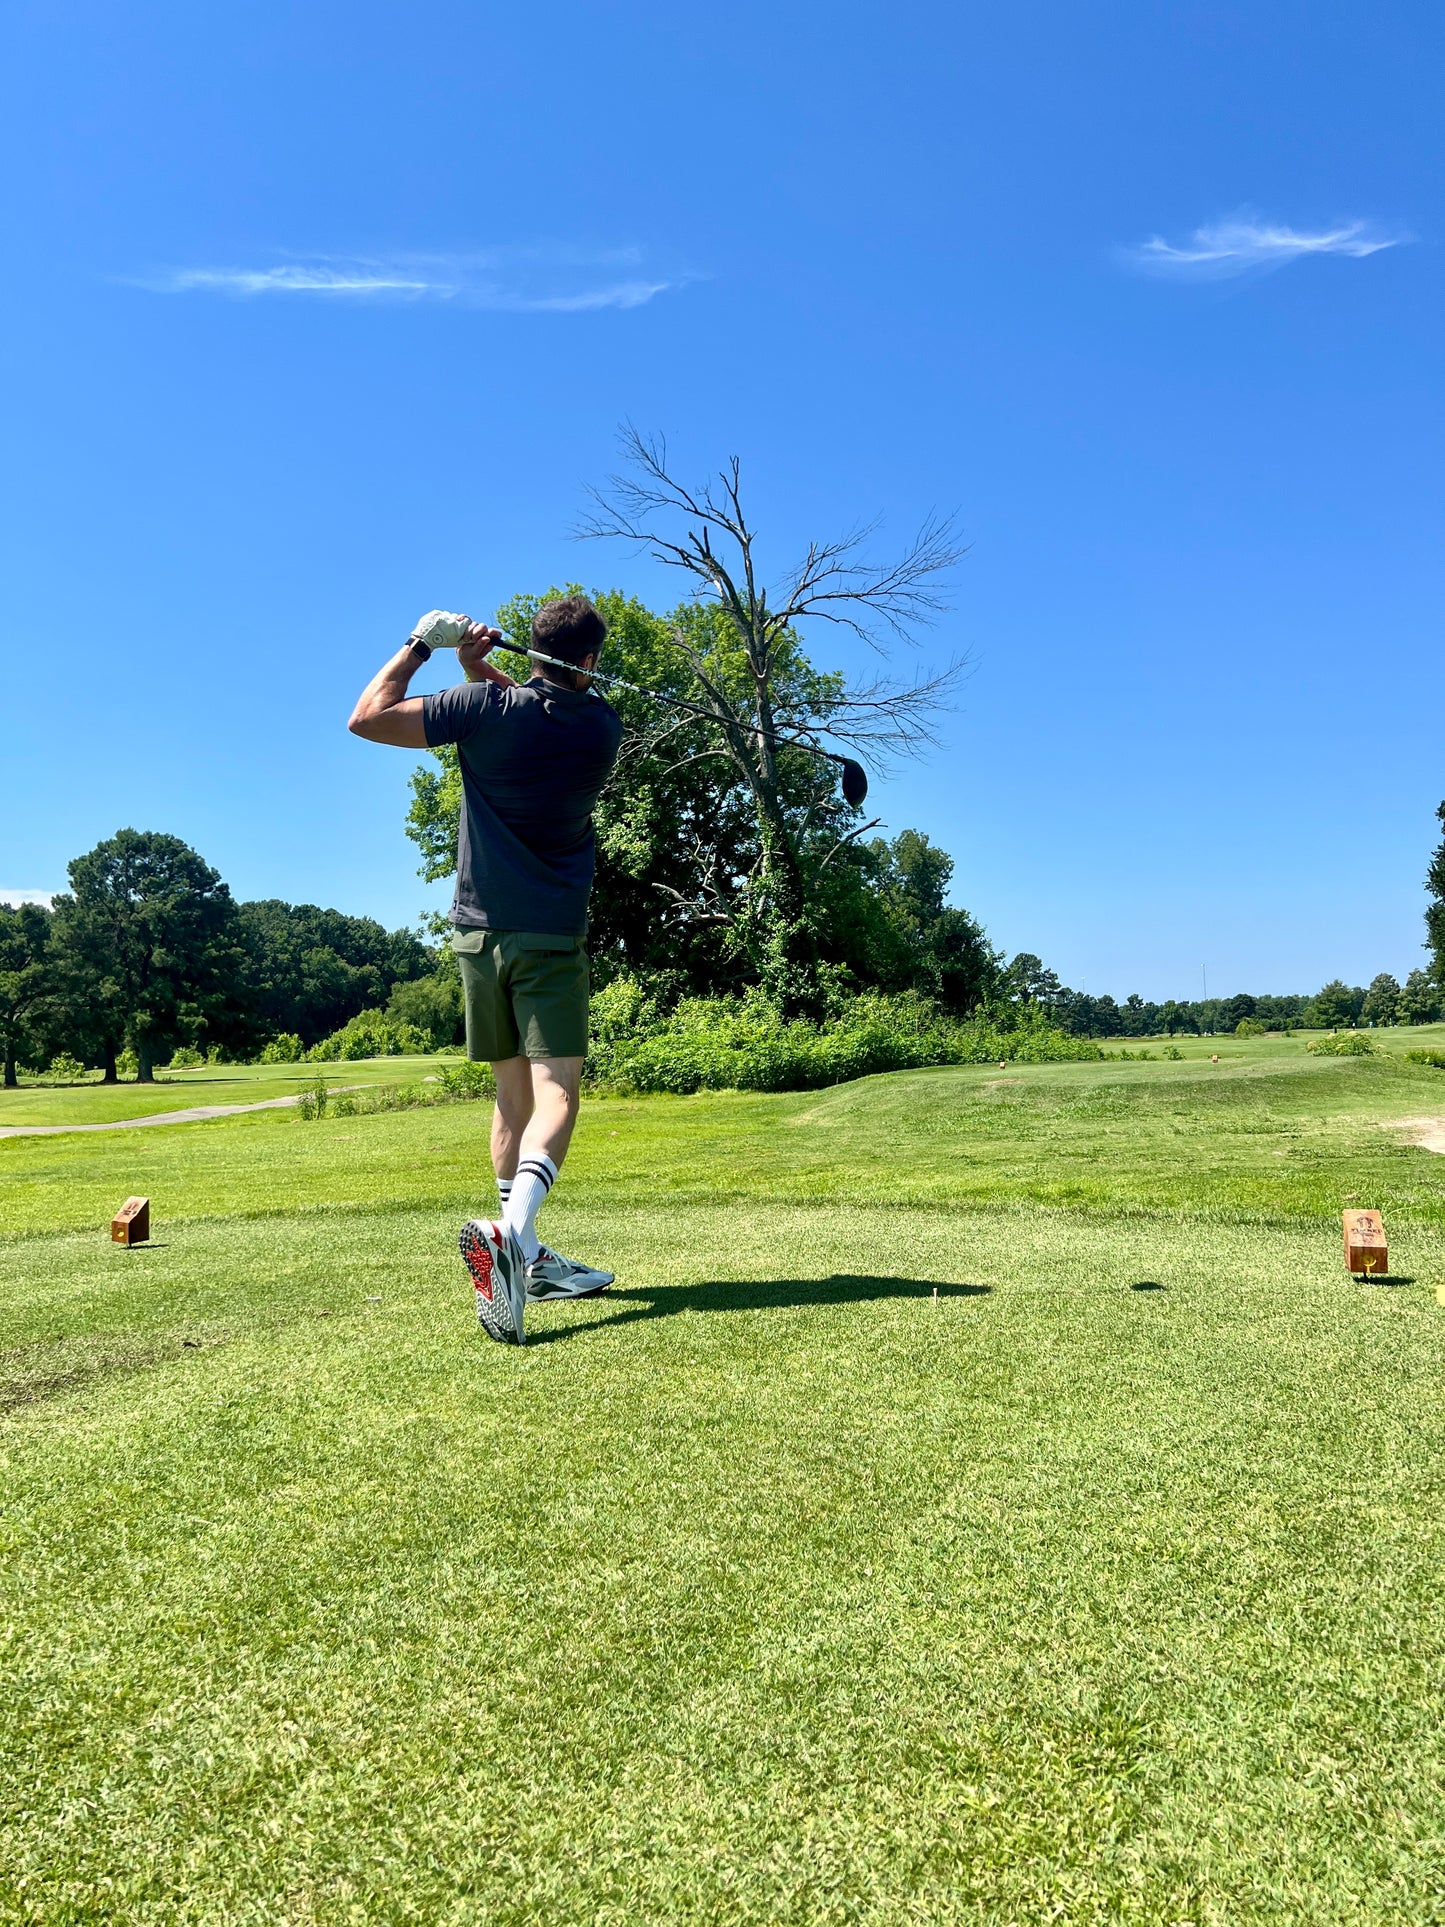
320 316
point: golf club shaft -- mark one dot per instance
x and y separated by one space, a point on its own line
673 702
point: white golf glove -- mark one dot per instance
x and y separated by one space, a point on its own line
438 630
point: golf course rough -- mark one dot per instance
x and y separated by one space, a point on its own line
1108 1588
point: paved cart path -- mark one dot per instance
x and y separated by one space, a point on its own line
196 1115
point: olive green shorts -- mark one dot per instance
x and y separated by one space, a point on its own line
526 993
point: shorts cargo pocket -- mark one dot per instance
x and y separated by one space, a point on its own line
538 942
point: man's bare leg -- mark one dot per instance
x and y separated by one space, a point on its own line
532 1126
536 1110
511 1115
556 1084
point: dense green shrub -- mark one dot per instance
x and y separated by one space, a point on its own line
371 1034
640 1045
285 1049
313 1104
741 1043
1435 1058
65 1069
1349 1043
467 1080
186 1058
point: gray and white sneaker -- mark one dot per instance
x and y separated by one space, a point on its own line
499 1273
551 1276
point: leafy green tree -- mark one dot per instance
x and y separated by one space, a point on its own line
739 647
430 1004
1382 1000
1336 1006
1030 982
145 938
309 971
1085 1016
1435 909
900 933
1280 1013
27 977
1420 999
678 842
1139 1017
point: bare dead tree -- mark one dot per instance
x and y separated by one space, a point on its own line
706 533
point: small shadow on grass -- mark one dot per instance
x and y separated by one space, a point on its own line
755 1294
1148 1284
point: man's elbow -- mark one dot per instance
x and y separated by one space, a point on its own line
362 722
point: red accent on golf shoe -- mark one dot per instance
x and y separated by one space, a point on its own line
479 1264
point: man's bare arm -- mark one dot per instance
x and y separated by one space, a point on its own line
384 713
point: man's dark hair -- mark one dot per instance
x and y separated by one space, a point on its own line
569 627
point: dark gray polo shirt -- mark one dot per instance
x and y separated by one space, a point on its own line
534 758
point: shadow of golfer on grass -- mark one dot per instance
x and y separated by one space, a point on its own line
748 1294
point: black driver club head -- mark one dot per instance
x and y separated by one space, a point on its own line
855 781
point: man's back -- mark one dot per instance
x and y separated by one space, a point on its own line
534 758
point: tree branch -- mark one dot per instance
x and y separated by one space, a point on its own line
843 841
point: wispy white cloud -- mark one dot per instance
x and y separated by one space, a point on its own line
1245 243
532 280
16 897
288 281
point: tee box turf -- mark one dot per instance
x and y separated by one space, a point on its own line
131 1225
1365 1248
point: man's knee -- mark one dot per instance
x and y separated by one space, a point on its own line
556 1082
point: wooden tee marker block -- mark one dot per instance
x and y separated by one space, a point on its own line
131 1225
1365 1248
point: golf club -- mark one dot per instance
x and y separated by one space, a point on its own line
855 777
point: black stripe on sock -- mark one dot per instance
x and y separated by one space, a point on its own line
536 1171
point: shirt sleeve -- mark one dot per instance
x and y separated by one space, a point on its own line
452 715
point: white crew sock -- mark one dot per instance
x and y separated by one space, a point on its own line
504 1191
535 1177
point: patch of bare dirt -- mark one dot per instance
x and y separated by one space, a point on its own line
1426 1132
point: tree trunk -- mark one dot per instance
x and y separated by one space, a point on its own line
10 1078
789 960
109 1062
145 1074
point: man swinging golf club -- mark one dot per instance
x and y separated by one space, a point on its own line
534 757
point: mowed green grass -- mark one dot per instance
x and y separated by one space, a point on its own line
95 1103
1107 1588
